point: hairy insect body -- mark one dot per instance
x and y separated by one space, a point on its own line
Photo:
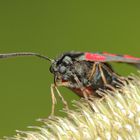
81 76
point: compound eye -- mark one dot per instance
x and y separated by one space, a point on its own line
62 69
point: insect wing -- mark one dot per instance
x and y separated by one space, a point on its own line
107 57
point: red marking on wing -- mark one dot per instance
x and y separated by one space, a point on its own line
94 57
131 57
109 54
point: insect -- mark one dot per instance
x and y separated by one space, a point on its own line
83 72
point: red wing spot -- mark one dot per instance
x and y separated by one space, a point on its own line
94 57
110 54
131 57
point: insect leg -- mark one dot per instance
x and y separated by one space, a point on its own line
83 89
95 65
93 70
54 101
101 65
111 74
121 79
102 74
63 100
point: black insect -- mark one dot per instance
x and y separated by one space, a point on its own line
83 73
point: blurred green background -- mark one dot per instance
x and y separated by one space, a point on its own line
51 28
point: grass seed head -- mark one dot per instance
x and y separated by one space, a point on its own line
115 117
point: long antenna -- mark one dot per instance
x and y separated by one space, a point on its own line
8 55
